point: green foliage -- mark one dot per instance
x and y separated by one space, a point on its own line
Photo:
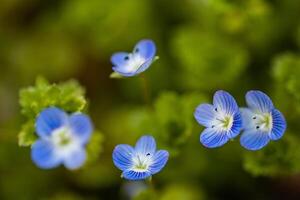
147 194
202 58
173 118
172 192
276 159
286 71
170 120
94 147
68 96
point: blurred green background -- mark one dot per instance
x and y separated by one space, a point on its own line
204 45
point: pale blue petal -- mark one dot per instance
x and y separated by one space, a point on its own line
122 156
81 126
257 100
247 118
205 114
75 159
236 126
145 49
135 176
120 58
50 119
160 159
224 102
144 66
212 138
120 70
279 125
44 156
253 139
145 145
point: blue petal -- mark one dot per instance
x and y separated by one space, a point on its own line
50 119
135 176
81 126
120 70
254 140
44 156
160 159
224 102
247 118
144 66
236 126
75 159
120 58
122 156
205 114
212 138
258 100
146 49
146 144
279 125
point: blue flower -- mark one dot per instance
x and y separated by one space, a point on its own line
141 161
222 120
62 139
131 64
261 121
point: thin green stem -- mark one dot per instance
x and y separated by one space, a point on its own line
146 90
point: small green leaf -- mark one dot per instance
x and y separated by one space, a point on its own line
26 135
68 96
115 75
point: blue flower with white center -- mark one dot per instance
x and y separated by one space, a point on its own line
131 64
141 161
261 121
222 120
62 139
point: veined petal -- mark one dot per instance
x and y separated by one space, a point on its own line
120 58
254 139
205 114
212 137
279 125
144 66
236 126
145 145
50 119
247 118
122 156
81 126
257 100
134 175
145 48
160 159
224 102
75 159
44 156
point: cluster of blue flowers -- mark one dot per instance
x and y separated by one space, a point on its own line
63 137
259 123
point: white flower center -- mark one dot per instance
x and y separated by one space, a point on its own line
134 63
222 121
263 121
64 141
141 162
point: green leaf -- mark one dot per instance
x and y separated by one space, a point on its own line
68 96
94 147
277 158
26 135
115 75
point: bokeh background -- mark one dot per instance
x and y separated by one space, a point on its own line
203 45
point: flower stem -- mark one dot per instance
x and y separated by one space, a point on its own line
146 90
